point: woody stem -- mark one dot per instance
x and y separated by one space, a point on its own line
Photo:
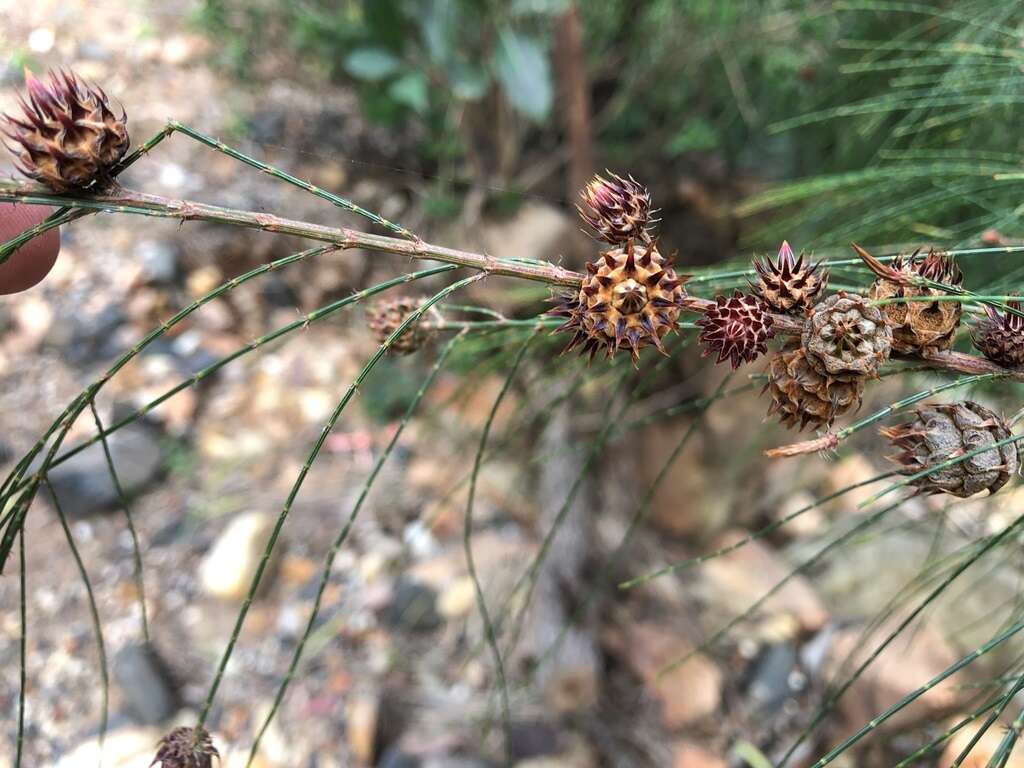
121 200
140 203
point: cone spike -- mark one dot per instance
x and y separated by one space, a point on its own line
646 258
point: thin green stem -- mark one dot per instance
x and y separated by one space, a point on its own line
1001 757
136 551
611 424
912 758
801 568
303 472
300 323
759 534
911 697
325 574
830 441
467 532
66 215
833 699
993 716
95 613
139 203
16 482
22 649
341 202
529 578
638 516
925 299
940 466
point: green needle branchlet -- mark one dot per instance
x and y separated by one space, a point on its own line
629 298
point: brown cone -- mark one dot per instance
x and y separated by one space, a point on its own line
385 317
802 396
617 208
920 326
789 285
629 299
186 748
944 431
846 338
67 136
735 328
1000 336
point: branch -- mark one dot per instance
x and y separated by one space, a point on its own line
972 364
128 201
121 200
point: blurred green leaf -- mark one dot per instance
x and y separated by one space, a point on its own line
372 63
696 134
441 204
751 755
469 83
539 7
411 90
438 26
525 74
394 387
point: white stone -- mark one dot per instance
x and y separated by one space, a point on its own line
41 40
229 566
123 748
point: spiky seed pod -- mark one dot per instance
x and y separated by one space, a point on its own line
630 298
920 325
617 209
186 748
846 338
1000 336
737 328
802 396
943 431
67 136
384 317
788 284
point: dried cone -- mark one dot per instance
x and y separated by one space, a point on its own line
920 326
629 299
617 209
789 285
846 338
1000 336
802 396
67 137
940 432
735 328
385 317
186 748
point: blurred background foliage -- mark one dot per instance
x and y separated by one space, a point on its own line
876 120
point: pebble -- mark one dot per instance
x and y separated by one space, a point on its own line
125 747
458 598
229 566
737 579
83 483
412 607
901 668
982 752
147 689
687 754
687 693
41 39
361 726
159 260
396 758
